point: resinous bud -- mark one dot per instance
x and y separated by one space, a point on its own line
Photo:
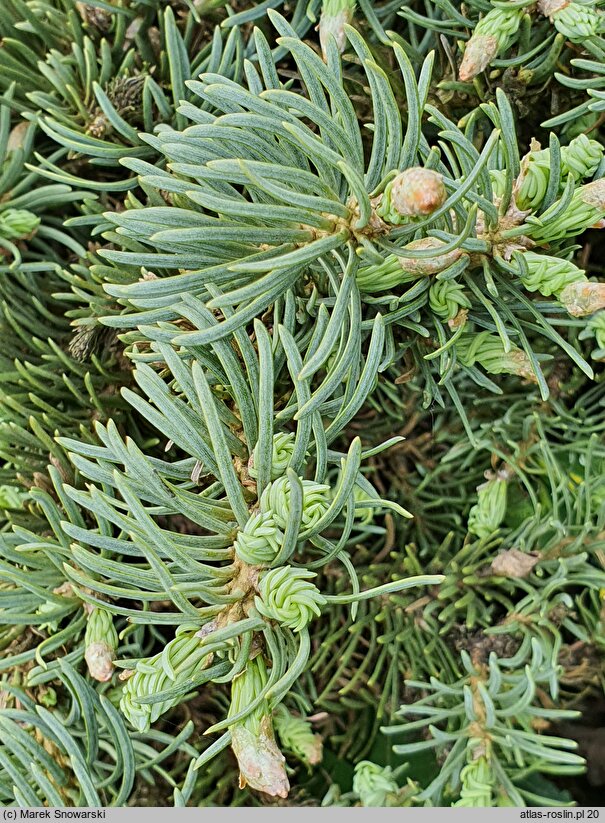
415 193
335 15
261 764
101 642
583 298
593 194
491 36
429 265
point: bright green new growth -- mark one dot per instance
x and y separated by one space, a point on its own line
580 158
447 299
488 512
281 455
277 500
17 223
296 736
374 786
476 784
569 284
586 210
575 20
596 327
373 783
288 597
488 350
175 667
259 542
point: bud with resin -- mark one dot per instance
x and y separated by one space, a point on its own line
490 37
429 265
583 298
415 193
101 642
261 764
335 15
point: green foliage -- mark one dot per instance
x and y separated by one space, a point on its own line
490 716
301 432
